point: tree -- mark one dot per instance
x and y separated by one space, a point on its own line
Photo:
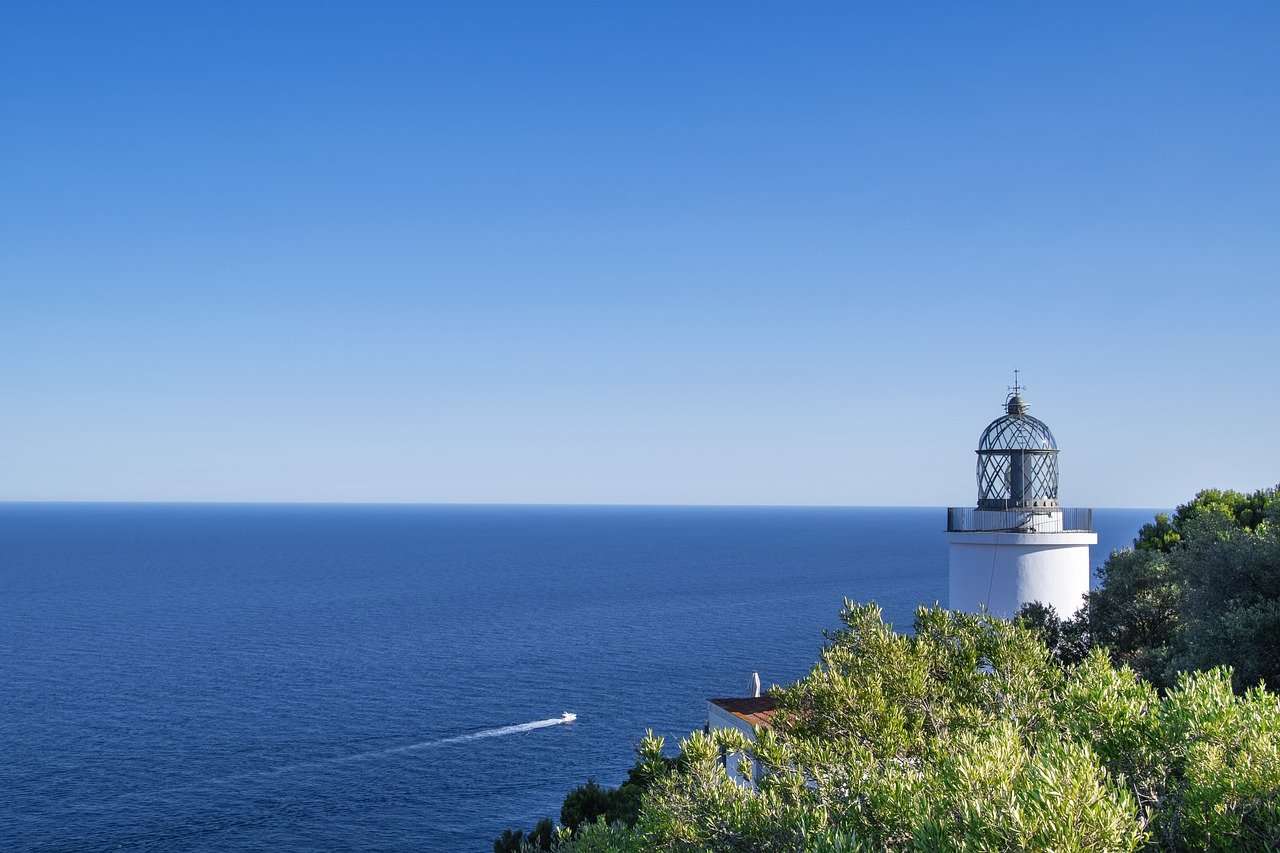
1245 511
1231 599
1068 640
541 837
1137 611
1199 588
588 803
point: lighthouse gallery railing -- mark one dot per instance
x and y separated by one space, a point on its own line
965 519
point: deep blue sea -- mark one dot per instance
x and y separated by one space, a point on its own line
299 678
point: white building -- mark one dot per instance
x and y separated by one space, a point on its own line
1018 545
744 714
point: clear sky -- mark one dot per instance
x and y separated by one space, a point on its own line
634 252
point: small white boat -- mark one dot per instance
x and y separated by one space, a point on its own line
568 717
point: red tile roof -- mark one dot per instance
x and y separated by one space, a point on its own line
757 710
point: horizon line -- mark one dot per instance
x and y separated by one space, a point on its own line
549 504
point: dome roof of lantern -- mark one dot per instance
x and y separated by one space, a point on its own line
1016 430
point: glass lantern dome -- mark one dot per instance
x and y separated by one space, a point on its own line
1017 461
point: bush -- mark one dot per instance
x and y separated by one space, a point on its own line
541 837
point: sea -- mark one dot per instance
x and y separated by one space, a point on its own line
393 678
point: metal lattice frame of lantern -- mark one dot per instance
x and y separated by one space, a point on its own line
1017 461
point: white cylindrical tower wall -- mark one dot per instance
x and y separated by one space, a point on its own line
1003 571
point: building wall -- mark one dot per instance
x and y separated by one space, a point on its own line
1004 571
719 718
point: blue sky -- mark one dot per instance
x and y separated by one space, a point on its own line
637 253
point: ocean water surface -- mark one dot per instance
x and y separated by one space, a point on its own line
298 678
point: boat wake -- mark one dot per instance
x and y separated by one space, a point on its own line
320 763
503 731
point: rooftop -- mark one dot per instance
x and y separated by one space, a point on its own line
756 710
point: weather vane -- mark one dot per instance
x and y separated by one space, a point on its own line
1017 387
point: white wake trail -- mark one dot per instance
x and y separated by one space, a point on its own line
427 744
319 763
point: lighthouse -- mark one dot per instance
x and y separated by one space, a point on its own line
1018 545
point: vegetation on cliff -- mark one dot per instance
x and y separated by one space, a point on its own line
1143 724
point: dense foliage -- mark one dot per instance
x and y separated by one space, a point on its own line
1198 589
1142 723
966 734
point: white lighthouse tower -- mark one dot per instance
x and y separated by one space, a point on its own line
1018 545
